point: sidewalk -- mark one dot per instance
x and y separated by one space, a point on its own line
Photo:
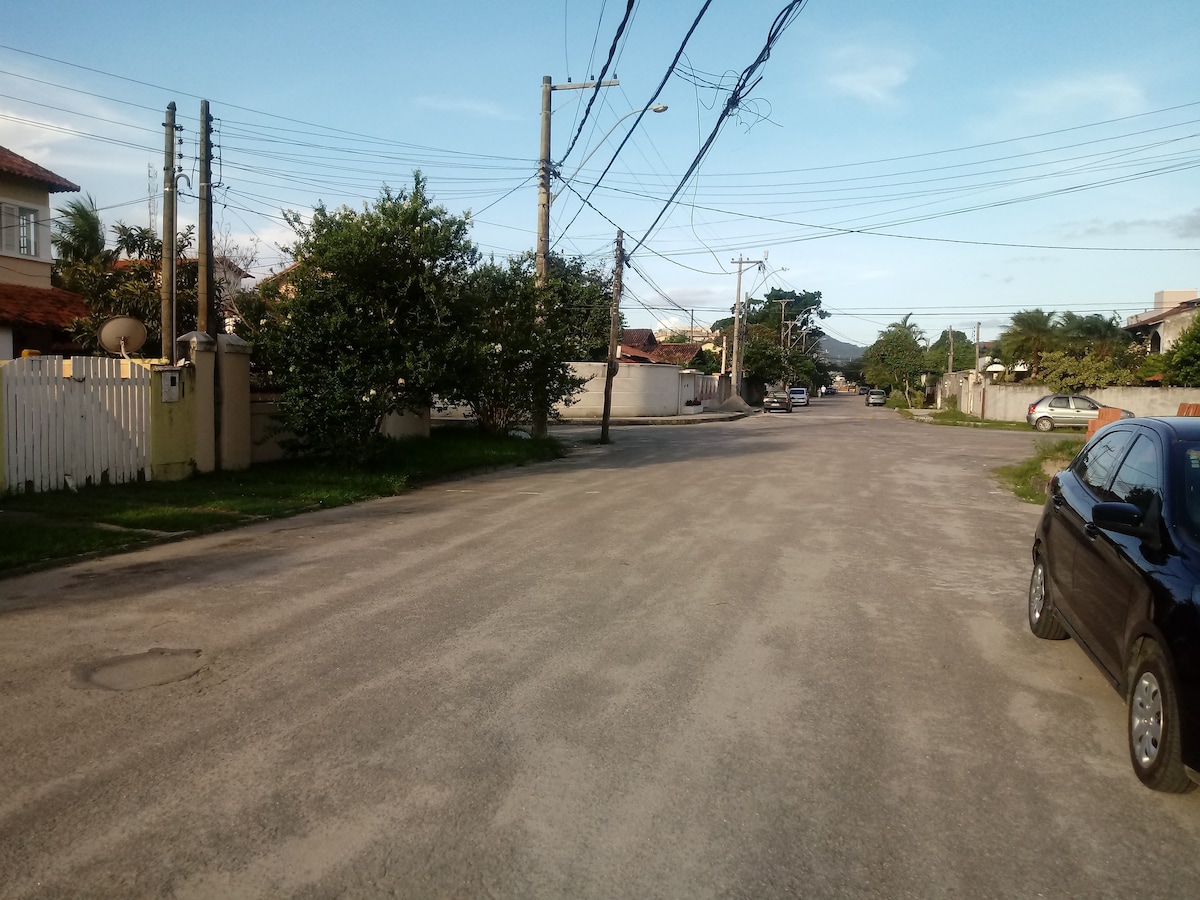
695 419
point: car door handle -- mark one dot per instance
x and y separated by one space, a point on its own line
1057 500
1091 529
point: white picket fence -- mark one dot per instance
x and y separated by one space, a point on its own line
77 421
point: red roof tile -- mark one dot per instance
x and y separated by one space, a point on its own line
53 307
642 338
15 164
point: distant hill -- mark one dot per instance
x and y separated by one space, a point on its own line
839 351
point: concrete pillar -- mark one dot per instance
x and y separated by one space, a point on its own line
234 376
200 349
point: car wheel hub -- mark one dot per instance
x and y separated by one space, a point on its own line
1037 593
1145 719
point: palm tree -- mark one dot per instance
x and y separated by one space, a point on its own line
1094 334
78 233
1030 333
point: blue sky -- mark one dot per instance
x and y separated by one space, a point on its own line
943 158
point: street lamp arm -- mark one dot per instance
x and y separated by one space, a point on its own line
658 108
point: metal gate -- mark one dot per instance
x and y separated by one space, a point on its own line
74 422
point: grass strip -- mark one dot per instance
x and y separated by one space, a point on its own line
1030 479
37 528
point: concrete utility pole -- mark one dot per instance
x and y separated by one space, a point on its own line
614 328
544 169
950 362
166 289
206 308
736 375
977 324
541 412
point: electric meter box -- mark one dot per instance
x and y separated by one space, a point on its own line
172 383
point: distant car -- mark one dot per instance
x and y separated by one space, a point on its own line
1065 411
779 401
1116 566
862 390
876 397
799 396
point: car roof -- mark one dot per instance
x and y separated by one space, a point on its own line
1173 428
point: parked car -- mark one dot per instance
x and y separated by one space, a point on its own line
799 396
1065 411
779 401
1116 566
876 397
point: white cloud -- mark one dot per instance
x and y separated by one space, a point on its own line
1063 102
871 74
465 106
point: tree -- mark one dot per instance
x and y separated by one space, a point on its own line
78 235
937 357
1030 333
368 322
896 358
1183 360
517 337
1101 336
1071 373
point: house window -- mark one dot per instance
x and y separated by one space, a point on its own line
19 230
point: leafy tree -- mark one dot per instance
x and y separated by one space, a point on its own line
368 321
516 337
896 358
937 357
1074 372
1094 334
1183 360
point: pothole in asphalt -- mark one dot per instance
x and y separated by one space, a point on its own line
157 666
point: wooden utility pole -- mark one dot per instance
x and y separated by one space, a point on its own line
206 307
166 289
614 330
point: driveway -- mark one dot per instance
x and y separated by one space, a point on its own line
783 656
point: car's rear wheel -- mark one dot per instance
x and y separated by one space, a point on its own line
1044 424
1154 742
1043 619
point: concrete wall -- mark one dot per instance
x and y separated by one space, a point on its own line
639 389
1010 402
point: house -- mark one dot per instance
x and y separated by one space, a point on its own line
33 314
641 345
1161 327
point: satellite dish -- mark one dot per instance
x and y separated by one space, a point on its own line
122 334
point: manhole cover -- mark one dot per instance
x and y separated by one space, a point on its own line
156 666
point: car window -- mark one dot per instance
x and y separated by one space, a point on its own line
1085 403
1060 403
1139 480
1190 482
1096 462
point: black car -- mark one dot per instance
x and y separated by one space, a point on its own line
777 400
1116 566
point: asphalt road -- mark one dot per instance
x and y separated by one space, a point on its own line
779 657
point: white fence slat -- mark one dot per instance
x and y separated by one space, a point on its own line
92 424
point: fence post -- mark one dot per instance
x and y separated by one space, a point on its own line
233 374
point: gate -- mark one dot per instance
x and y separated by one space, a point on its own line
73 422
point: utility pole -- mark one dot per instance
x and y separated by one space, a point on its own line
541 412
977 324
206 309
736 375
950 362
614 328
166 291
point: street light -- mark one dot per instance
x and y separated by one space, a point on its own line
657 108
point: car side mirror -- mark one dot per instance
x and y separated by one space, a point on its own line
1123 518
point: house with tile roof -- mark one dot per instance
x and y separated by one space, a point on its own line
641 345
33 314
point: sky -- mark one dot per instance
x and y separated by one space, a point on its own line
956 161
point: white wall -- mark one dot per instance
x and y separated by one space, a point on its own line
1010 402
639 389
6 342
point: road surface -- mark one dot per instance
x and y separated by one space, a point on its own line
779 657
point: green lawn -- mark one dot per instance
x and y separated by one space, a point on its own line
36 529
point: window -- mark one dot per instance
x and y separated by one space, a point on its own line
1085 403
19 230
1060 403
1096 463
1139 480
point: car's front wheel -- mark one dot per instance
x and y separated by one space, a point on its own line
1044 424
1043 620
1154 742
